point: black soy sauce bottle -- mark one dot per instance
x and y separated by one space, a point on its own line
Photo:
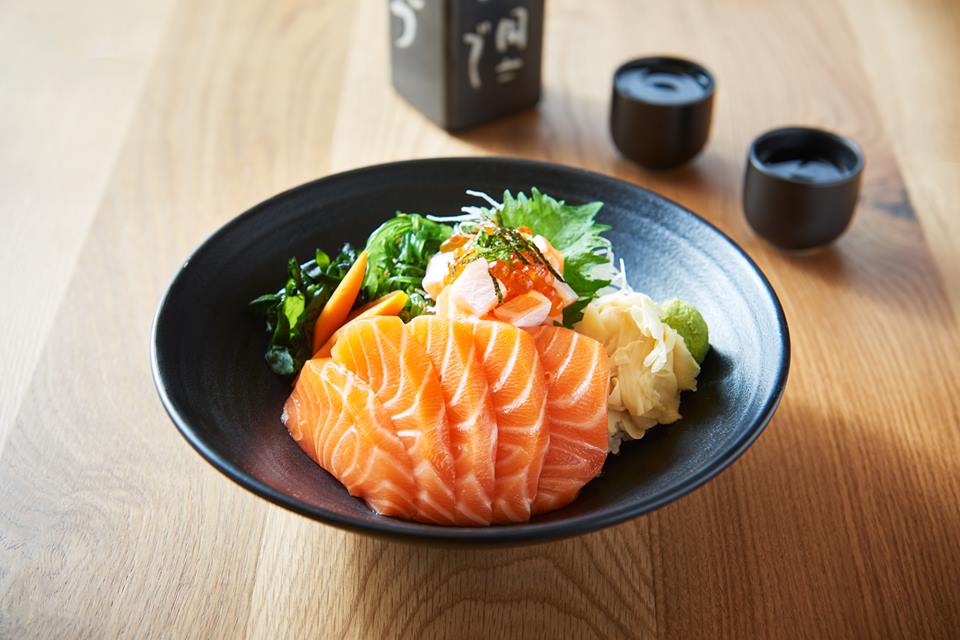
464 62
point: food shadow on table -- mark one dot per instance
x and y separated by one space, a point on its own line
551 590
826 485
878 266
549 130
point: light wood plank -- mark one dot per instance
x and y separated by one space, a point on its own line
71 79
910 52
105 512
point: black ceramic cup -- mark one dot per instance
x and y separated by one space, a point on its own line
661 109
801 186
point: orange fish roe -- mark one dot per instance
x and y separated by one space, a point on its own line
518 278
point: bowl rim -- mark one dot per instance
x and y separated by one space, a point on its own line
521 533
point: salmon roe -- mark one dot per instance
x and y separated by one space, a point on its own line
519 278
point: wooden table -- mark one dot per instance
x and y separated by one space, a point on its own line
130 131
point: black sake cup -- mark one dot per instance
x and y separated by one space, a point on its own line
801 186
661 109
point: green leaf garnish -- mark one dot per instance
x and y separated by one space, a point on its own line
397 256
291 312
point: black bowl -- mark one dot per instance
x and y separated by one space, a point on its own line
209 371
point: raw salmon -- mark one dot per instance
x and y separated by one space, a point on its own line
529 309
337 421
455 422
469 409
382 353
577 375
512 368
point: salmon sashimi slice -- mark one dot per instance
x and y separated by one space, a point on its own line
336 419
383 354
529 309
577 375
512 368
469 408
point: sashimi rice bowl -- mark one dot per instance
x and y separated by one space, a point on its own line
477 367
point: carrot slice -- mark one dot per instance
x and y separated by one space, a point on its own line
338 307
389 305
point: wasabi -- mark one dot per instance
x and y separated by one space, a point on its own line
687 321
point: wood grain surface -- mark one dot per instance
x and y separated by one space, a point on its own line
841 521
71 82
910 52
